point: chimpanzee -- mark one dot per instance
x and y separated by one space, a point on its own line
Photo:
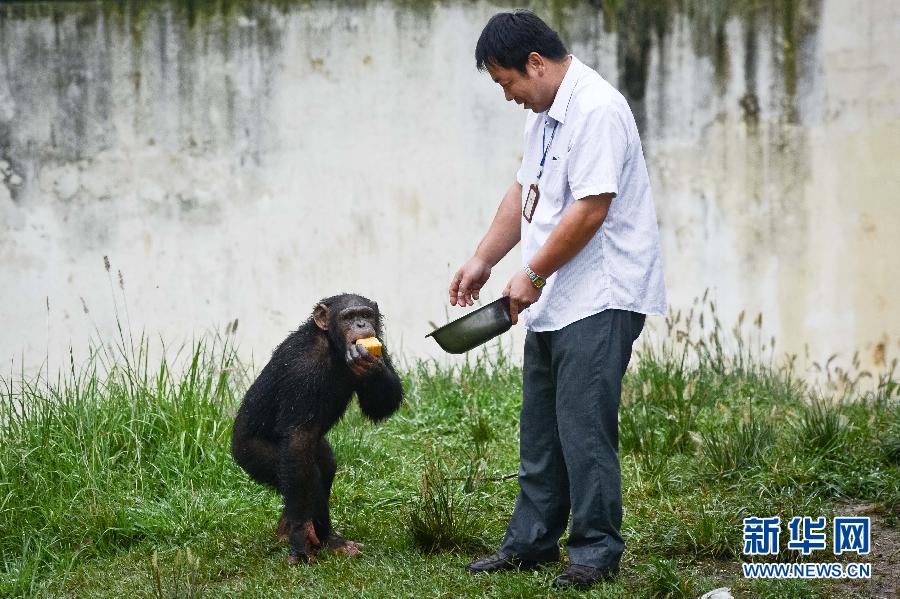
279 431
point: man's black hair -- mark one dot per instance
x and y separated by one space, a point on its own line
509 37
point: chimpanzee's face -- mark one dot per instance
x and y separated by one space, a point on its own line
346 318
356 322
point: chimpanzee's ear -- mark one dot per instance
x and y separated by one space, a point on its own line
320 315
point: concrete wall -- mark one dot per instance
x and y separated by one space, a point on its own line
241 164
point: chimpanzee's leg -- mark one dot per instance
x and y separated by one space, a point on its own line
301 487
321 516
327 467
258 457
322 519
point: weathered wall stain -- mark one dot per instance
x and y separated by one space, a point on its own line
242 159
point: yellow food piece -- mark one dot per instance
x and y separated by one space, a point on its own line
372 344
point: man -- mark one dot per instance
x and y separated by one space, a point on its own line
581 206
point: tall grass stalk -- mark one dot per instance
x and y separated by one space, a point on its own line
441 517
86 459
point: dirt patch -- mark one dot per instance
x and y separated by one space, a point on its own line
884 559
885 555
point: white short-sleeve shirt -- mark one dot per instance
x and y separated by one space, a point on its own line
595 150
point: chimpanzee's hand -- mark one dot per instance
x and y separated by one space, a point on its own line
361 362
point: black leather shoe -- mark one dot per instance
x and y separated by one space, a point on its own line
500 562
576 576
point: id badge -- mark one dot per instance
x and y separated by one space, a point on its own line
531 201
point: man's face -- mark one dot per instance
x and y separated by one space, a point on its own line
527 90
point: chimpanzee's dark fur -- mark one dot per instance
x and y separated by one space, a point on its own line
279 432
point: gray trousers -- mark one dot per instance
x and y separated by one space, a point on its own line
569 441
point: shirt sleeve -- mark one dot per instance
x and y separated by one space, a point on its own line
597 153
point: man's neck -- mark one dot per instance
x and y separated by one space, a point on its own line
558 72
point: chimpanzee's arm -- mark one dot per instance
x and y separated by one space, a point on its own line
380 393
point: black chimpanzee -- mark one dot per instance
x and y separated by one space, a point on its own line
279 432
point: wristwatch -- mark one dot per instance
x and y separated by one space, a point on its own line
536 279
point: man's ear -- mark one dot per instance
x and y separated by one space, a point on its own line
320 315
536 62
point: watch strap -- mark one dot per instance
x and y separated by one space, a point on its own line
536 280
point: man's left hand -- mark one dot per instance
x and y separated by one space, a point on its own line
522 293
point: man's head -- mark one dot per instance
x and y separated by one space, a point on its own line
524 56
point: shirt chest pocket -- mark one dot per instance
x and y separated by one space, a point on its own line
554 184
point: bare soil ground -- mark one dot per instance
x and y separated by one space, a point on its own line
885 555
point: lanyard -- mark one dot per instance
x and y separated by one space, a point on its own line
552 133
546 147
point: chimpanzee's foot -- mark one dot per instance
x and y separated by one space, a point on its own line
339 544
304 543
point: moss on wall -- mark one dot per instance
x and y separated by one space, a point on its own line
639 25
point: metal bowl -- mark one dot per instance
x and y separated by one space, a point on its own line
473 329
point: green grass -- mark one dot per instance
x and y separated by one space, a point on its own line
115 478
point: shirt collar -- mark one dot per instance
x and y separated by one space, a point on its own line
560 104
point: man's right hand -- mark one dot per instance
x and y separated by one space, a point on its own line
468 281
